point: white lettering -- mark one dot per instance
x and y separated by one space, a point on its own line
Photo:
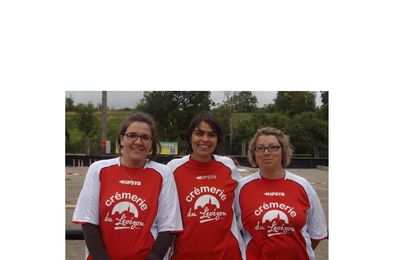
281 194
258 227
130 182
206 177
274 229
124 223
191 214
127 196
205 189
276 205
208 215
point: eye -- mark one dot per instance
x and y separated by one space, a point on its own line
131 135
212 135
198 133
274 148
260 149
145 138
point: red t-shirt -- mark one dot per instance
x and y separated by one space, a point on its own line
130 206
280 217
206 196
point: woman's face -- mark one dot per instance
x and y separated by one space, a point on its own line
203 141
137 142
268 160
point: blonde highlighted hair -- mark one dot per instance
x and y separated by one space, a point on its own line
286 146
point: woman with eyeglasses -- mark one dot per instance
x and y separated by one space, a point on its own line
280 212
207 185
128 206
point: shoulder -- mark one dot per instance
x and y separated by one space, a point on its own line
249 179
302 182
175 163
98 165
162 169
225 160
296 178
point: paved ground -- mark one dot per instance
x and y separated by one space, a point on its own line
74 177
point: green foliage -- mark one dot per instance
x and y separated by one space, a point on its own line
174 110
243 101
295 102
309 134
324 107
69 104
87 123
77 140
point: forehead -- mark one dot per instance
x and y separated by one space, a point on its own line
267 140
204 126
139 127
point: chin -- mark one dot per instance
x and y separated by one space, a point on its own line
136 157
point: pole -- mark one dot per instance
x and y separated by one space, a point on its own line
103 121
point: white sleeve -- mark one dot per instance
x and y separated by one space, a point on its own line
315 217
236 176
169 213
87 207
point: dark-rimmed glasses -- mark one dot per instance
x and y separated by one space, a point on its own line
262 149
132 137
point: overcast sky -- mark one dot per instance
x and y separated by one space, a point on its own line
122 99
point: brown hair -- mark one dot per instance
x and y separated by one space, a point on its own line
145 118
287 148
213 122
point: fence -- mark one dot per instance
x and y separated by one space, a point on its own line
297 162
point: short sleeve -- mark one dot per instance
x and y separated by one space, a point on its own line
315 217
169 214
87 207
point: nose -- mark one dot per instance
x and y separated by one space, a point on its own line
205 137
138 140
266 152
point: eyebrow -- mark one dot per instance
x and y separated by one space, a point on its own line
267 145
200 130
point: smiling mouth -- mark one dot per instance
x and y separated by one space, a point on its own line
137 149
267 161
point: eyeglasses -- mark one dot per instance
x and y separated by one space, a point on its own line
132 137
272 148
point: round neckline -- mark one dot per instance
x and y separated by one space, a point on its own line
128 167
273 179
200 164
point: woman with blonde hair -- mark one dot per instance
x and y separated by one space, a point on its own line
280 212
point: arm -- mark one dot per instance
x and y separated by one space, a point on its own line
161 245
314 243
94 243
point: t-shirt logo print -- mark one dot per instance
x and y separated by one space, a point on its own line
275 218
207 207
123 215
277 223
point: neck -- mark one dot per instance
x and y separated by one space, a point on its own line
132 164
272 174
200 158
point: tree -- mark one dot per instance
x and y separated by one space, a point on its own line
244 101
324 107
270 108
223 115
87 123
246 128
69 104
173 111
309 134
295 102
